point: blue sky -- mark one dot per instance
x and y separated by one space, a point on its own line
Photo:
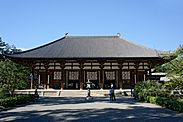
156 24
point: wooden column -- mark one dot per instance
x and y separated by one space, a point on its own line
150 66
62 64
39 79
136 72
32 78
135 77
48 80
149 73
120 76
101 75
81 80
63 79
46 67
145 75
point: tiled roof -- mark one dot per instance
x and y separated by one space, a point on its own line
88 47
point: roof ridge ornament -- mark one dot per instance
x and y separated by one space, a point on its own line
66 34
119 34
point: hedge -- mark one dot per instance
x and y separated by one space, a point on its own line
176 105
17 100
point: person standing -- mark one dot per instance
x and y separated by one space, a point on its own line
112 94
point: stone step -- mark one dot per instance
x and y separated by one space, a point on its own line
73 93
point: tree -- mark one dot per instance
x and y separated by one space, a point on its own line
5 48
174 63
12 75
2 47
174 68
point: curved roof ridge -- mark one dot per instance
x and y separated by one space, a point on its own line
44 45
137 44
88 46
92 36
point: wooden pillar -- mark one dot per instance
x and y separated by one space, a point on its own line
81 80
46 65
31 64
39 80
31 85
46 78
150 66
62 64
32 78
149 73
145 76
63 79
135 78
48 81
136 72
101 79
117 78
101 76
120 76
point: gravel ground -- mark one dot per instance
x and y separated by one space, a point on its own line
53 109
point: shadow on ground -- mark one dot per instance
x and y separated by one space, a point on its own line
47 101
132 113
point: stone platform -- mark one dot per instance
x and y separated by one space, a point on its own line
73 93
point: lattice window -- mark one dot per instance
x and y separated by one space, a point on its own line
92 75
57 75
126 75
110 75
74 75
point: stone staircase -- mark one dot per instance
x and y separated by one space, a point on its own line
73 93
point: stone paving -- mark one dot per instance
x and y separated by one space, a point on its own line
53 109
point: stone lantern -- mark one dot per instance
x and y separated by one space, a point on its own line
88 86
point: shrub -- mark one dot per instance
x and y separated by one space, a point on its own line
148 88
17 100
150 91
153 100
168 103
3 93
180 100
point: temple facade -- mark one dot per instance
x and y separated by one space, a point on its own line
69 62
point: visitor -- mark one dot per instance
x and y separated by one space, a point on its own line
112 86
112 94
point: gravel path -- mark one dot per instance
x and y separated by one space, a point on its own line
53 109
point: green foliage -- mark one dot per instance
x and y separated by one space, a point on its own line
17 100
175 83
176 105
160 94
3 93
5 48
179 51
148 88
180 100
174 63
152 92
12 76
174 69
152 99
